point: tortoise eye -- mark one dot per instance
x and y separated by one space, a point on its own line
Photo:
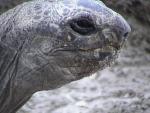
82 26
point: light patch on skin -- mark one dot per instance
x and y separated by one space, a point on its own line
71 3
69 38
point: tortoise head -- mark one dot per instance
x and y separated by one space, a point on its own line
72 39
91 34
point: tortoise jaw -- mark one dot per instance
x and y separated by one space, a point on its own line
99 54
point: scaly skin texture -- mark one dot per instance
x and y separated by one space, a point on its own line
8 4
46 44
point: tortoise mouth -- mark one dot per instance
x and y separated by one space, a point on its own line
97 54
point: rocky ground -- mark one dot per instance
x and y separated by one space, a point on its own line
123 88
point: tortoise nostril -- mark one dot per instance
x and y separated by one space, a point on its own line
124 27
126 34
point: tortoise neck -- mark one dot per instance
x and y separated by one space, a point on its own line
10 96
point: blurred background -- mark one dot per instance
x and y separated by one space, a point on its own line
123 88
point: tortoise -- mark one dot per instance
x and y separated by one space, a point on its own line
45 44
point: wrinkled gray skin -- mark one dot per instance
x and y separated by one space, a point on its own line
45 44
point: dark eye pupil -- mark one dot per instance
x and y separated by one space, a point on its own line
82 26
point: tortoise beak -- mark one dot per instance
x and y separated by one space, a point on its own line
122 26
